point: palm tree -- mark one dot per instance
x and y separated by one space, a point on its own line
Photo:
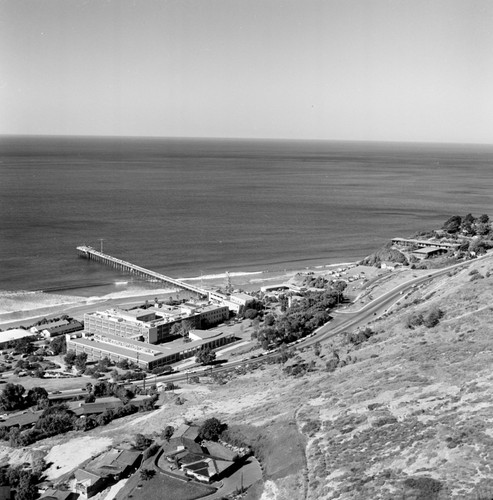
146 474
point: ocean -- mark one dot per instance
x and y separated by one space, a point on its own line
191 207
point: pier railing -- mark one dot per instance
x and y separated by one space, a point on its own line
92 254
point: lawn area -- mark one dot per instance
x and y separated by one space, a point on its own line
162 487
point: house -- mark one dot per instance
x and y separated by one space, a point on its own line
62 329
88 484
185 436
429 252
206 469
22 420
115 464
52 494
99 406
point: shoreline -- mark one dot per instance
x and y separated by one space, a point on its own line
22 306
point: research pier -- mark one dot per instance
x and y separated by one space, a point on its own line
90 253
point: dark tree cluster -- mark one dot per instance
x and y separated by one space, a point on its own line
59 345
24 345
78 360
299 320
205 356
428 318
212 429
360 336
21 480
468 225
59 419
130 375
312 281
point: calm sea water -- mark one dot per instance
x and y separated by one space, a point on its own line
186 207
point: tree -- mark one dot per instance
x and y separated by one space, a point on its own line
59 345
205 356
25 483
36 395
142 442
123 364
24 345
146 474
69 358
175 329
211 429
452 225
186 326
251 313
80 361
168 432
11 397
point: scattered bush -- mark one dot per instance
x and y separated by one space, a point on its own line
311 427
427 487
432 318
476 277
142 442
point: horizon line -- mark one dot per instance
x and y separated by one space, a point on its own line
283 139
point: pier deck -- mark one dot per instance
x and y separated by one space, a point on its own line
92 254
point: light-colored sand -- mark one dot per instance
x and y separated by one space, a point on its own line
66 457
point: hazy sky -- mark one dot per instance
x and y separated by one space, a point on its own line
410 70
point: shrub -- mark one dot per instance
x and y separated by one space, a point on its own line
428 487
432 318
311 427
142 442
251 313
414 319
476 277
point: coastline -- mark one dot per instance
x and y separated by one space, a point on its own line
20 307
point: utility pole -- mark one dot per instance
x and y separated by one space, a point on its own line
101 240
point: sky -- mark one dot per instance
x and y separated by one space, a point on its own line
387 70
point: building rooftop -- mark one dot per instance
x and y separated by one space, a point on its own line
26 418
428 250
113 461
86 477
14 334
137 350
186 431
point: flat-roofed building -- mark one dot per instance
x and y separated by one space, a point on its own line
146 355
234 301
153 325
429 252
122 324
14 334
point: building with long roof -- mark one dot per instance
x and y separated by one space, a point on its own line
148 356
